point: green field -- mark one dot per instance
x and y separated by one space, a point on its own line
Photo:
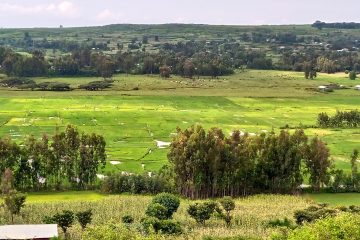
333 199
132 121
338 199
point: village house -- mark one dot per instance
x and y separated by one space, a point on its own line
34 232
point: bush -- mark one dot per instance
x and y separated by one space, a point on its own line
165 71
343 226
170 227
127 219
53 86
84 218
313 213
17 82
157 210
160 226
96 85
202 211
64 220
352 75
169 201
150 223
228 204
280 223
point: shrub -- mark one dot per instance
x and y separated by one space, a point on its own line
127 219
352 75
343 226
228 205
17 82
65 220
202 211
280 223
169 201
160 226
313 213
13 203
170 227
84 218
165 71
53 86
157 210
95 86
150 223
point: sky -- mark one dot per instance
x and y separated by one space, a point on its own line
70 13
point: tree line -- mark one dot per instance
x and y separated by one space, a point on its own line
342 119
339 25
68 158
209 164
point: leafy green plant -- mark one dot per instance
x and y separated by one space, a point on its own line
157 210
13 203
228 205
84 218
201 212
64 220
127 219
169 201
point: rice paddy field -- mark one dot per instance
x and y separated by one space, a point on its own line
139 124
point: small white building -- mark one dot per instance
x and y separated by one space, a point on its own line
36 232
357 87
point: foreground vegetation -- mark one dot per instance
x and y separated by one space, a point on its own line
250 214
255 217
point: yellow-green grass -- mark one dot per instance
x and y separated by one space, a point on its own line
64 196
336 199
131 121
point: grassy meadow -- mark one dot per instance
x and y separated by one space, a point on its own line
133 120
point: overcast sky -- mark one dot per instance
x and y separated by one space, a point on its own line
52 13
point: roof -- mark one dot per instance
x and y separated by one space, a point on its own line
322 87
28 231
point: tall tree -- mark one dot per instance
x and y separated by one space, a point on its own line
318 163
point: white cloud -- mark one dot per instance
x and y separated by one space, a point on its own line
64 8
67 7
108 16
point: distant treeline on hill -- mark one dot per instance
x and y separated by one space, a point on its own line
339 25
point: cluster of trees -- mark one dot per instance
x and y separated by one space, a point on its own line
140 184
186 59
339 25
211 164
323 60
342 119
14 64
28 42
67 157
